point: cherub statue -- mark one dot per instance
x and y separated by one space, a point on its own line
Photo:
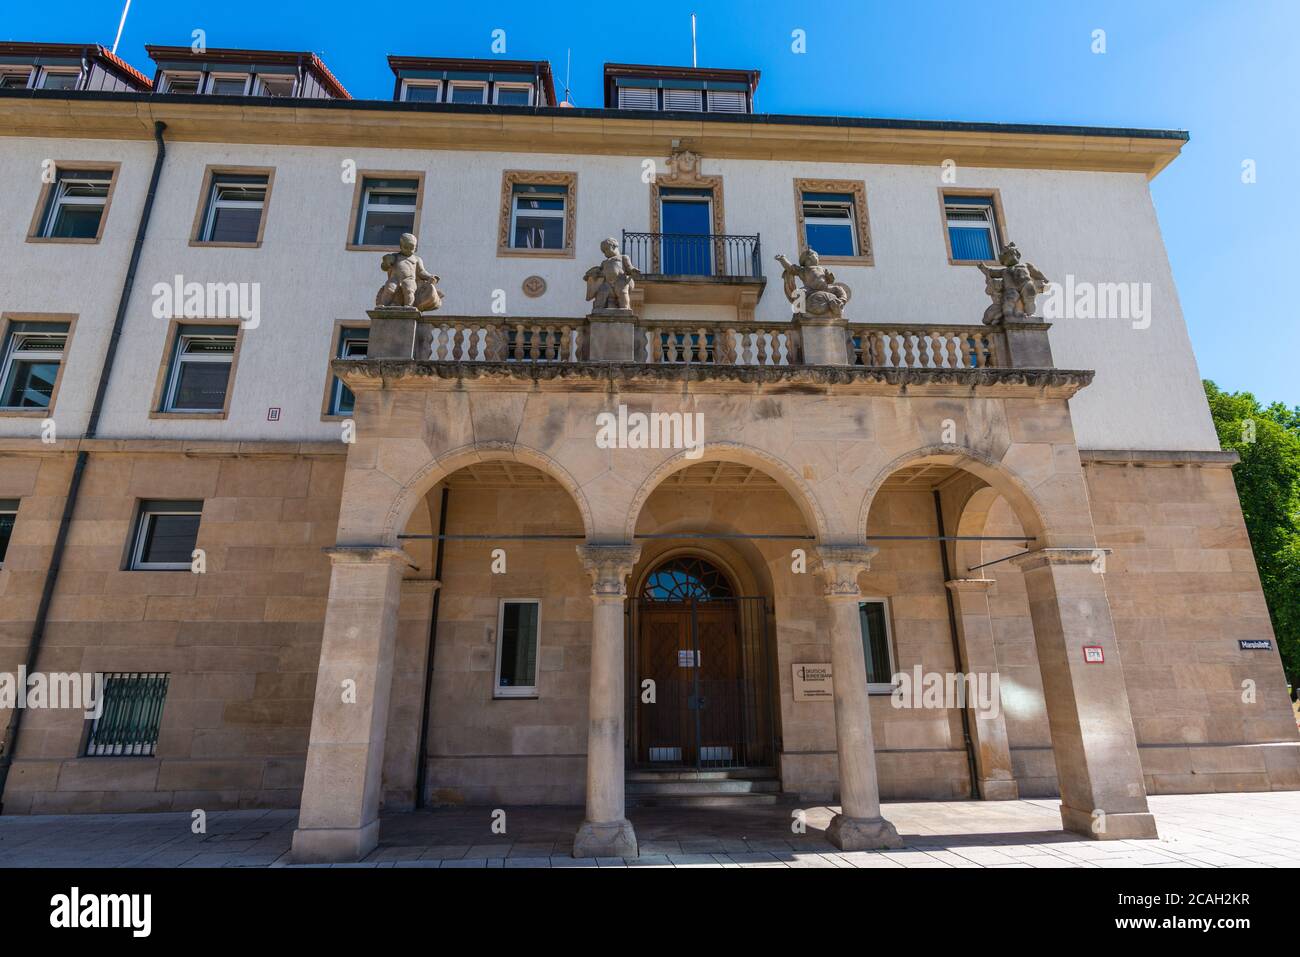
1012 287
409 284
610 285
821 295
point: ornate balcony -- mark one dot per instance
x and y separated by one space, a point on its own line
703 269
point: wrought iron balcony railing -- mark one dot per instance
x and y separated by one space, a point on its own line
687 254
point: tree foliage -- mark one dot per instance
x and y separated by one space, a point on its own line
1268 484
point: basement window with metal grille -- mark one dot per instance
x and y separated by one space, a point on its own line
131 715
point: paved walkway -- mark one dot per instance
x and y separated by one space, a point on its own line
1201 830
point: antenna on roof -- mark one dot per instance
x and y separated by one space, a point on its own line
568 59
693 62
120 24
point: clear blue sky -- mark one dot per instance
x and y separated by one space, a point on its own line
1227 71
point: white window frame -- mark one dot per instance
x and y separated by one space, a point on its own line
214 78
653 93
14 353
171 76
62 177
137 563
178 357
878 687
260 79
57 71
740 98
449 96
671 91
990 216
210 218
851 206
366 206
560 214
498 87
342 350
519 691
26 72
423 84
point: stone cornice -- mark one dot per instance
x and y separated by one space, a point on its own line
371 374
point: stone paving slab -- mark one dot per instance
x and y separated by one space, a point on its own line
1196 830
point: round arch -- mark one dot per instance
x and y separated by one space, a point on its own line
419 484
778 470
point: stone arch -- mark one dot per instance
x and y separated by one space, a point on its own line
1024 503
418 485
777 469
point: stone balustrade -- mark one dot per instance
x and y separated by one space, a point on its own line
719 344
502 340
923 347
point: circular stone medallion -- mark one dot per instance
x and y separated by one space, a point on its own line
534 286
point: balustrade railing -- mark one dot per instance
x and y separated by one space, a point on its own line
719 344
695 254
922 347
510 340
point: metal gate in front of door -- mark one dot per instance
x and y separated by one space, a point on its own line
700 684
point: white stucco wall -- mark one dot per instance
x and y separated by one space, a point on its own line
1101 227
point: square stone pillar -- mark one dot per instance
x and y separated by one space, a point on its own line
392 332
970 598
825 341
338 819
1097 763
859 825
606 831
1027 345
612 336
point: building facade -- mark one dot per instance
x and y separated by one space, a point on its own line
538 548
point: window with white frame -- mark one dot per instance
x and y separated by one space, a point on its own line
537 216
198 375
422 91
51 79
181 82
690 100
29 368
513 94
972 227
166 533
517 634
228 84
830 223
8 515
467 93
75 208
387 210
235 205
877 644
275 85
353 343
637 98
15 78
727 101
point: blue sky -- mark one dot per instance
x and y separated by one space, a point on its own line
1225 71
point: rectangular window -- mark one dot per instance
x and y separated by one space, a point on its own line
692 100
14 79
29 369
181 82
352 344
517 649
873 616
76 204
830 224
59 79
726 101
513 94
199 373
235 205
467 93
275 85
972 226
228 84
633 98
421 92
387 210
165 536
8 515
537 216
131 717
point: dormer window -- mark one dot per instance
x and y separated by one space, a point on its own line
513 94
275 85
467 93
727 101
421 91
692 100
181 83
228 84
14 79
59 79
633 98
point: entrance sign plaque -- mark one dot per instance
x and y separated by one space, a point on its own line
812 682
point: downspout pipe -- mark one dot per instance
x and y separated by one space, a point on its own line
956 645
14 726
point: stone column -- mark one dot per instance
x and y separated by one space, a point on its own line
859 825
605 831
825 341
339 815
988 728
1097 764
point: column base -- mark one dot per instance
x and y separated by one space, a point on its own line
334 845
609 839
999 790
862 833
1119 826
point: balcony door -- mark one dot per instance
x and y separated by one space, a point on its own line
686 225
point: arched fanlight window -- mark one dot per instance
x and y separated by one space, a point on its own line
684 579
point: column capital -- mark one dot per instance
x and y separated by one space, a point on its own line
977 586
839 567
609 566
1040 557
366 554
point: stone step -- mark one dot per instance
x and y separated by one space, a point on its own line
724 786
701 800
688 774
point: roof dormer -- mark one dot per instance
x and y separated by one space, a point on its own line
451 80
677 89
67 66
227 72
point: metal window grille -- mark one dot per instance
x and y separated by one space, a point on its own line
131 715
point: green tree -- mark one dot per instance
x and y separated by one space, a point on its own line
1268 484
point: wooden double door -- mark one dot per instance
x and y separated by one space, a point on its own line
695 711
